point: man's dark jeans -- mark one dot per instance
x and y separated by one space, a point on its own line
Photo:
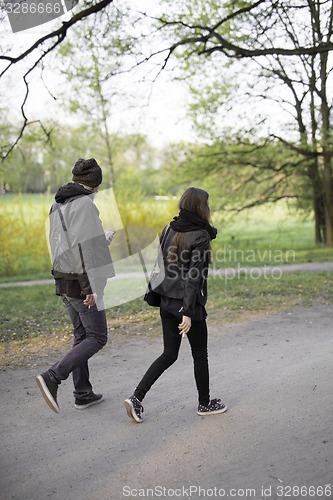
90 335
197 337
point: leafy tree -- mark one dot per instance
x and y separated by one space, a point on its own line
239 44
266 39
207 26
91 59
24 170
37 165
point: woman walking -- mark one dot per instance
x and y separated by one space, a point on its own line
185 255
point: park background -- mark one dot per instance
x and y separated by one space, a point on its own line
232 97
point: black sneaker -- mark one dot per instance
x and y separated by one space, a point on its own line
134 408
215 406
49 390
93 399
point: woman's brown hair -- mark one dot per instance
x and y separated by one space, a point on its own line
194 200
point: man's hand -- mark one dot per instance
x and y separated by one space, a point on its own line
90 300
185 325
109 235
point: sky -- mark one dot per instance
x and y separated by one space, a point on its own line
158 110
159 113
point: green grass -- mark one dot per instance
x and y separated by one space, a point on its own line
30 311
269 234
32 204
23 246
266 235
34 322
35 325
32 276
267 294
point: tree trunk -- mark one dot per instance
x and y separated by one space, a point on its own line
327 167
318 202
328 190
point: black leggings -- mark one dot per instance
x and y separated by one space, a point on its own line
197 337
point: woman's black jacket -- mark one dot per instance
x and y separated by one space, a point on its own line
186 277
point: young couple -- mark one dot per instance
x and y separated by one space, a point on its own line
81 266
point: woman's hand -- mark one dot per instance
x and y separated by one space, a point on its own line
185 325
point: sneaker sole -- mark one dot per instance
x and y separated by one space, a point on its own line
131 412
83 407
49 399
216 412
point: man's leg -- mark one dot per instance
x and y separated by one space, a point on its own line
82 385
95 337
94 325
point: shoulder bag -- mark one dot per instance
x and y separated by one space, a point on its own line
151 297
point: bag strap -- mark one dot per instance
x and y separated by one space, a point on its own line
163 240
165 235
64 227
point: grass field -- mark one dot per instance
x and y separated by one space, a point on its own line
23 226
34 322
270 234
266 235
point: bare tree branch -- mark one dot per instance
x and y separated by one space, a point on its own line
263 201
221 44
305 152
59 33
211 34
231 50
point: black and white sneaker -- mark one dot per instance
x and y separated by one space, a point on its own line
214 407
49 390
93 399
134 408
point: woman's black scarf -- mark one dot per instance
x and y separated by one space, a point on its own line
188 221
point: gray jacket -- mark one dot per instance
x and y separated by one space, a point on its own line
80 253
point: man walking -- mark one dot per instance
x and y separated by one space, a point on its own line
81 266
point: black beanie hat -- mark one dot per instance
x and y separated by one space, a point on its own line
87 172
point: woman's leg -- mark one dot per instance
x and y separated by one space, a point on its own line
198 337
172 340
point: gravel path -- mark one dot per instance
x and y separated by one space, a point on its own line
275 373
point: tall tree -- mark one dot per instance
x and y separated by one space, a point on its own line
208 26
297 78
91 59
